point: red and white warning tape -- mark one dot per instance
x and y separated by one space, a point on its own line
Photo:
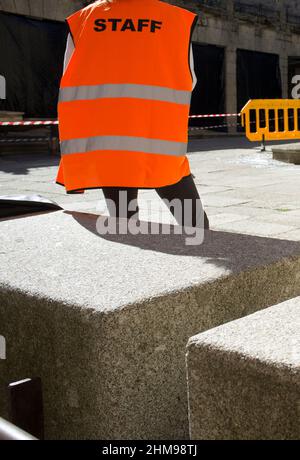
22 140
49 123
28 123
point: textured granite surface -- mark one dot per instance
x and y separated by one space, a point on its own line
244 377
104 321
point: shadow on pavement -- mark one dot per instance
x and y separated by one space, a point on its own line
233 251
20 164
228 143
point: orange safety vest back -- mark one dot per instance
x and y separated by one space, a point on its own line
125 96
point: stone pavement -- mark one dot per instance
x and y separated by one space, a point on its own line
243 190
288 153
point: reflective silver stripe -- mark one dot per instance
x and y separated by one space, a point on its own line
123 143
156 93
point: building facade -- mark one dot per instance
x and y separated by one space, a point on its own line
241 41
47 9
270 26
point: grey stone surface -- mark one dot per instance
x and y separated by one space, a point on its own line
287 153
291 236
294 147
104 320
250 226
244 377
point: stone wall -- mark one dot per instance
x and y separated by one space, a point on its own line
271 26
50 9
59 9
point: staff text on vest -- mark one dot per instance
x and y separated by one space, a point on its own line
123 25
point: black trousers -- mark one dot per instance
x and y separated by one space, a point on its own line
189 213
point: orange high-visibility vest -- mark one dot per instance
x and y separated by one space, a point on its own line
125 96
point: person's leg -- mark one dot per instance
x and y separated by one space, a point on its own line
189 213
118 200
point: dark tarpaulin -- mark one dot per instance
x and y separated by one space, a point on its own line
19 205
258 76
31 60
209 94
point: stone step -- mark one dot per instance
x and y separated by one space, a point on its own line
244 377
289 153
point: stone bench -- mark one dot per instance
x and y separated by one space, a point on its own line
104 320
244 377
289 153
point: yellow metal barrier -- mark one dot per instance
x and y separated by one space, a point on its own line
271 119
